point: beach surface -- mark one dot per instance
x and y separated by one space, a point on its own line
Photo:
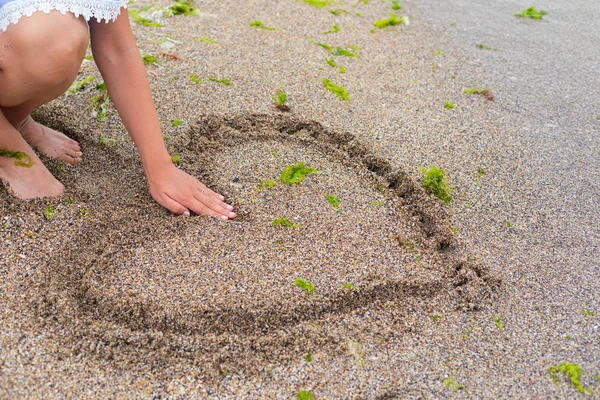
371 287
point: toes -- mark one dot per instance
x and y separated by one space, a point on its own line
71 160
74 145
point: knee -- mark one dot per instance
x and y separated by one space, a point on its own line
55 49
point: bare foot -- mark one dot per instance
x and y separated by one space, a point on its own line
25 176
21 169
50 142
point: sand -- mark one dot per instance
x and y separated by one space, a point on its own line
113 297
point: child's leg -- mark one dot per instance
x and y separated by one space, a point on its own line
40 57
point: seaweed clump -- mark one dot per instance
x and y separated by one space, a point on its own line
532 13
280 100
19 156
338 90
224 81
435 181
294 174
318 3
573 372
391 21
451 384
284 222
333 201
305 285
77 86
487 93
258 24
183 7
138 19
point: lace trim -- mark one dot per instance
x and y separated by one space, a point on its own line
107 10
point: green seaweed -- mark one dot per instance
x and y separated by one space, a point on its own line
88 58
532 13
396 5
333 200
342 69
266 184
474 91
305 285
571 371
349 286
77 86
437 52
436 318
334 29
331 62
340 51
305 395
206 39
450 383
448 105
19 156
498 321
176 122
84 212
281 98
482 91
196 79
258 24
176 159
435 181
111 142
339 11
224 81
99 104
338 90
138 19
391 21
294 174
308 357
183 7
509 224
589 313
284 222
325 46
318 3
150 59
49 212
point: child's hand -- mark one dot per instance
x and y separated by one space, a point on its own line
182 193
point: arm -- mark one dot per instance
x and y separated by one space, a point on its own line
122 68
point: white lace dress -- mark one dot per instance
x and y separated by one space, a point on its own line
12 10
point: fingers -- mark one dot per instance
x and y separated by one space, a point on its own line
208 191
207 203
212 201
173 206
